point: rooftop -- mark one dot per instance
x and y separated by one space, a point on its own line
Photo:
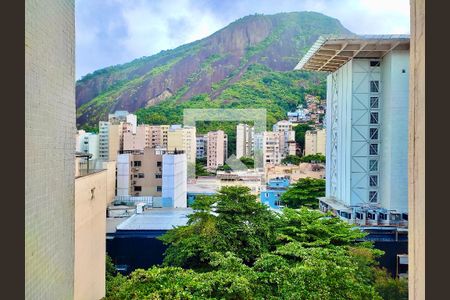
329 53
157 219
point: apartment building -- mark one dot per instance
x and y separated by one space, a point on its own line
202 144
111 138
286 134
174 179
88 143
216 149
122 116
244 140
315 141
271 148
367 126
183 138
139 172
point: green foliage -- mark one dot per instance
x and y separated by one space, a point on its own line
300 131
291 159
245 251
318 158
390 288
240 225
248 162
200 170
305 192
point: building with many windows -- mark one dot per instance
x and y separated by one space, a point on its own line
183 138
367 125
216 149
202 144
244 140
315 141
139 173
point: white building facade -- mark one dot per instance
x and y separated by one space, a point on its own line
174 179
367 127
244 140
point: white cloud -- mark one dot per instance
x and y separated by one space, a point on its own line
150 25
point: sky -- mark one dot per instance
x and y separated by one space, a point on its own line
110 32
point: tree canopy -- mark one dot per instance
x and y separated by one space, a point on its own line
234 247
305 192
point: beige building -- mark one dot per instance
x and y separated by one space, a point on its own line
315 141
139 173
153 136
111 138
94 190
286 135
216 149
271 148
244 140
183 138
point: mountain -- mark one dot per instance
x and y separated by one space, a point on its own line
246 64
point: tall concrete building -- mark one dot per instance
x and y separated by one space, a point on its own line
122 116
153 136
286 135
139 172
216 149
271 148
49 149
244 140
183 138
315 141
202 144
367 125
89 143
174 179
111 138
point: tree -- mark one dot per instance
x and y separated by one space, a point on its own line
311 256
230 221
291 159
305 192
390 288
318 158
300 131
248 162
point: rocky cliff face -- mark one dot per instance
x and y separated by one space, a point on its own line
206 66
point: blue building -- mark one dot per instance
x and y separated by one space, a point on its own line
275 188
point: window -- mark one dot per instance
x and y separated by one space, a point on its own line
373 149
383 216
135 176
137 188
370 216
373 133
158 188
373 180
158 163
374 102
359 216
373 196
374 86
141 175
137 163
158 175
374 117
373 165
374 63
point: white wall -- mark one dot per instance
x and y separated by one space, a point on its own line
394 149
174 179
123 174
338 148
